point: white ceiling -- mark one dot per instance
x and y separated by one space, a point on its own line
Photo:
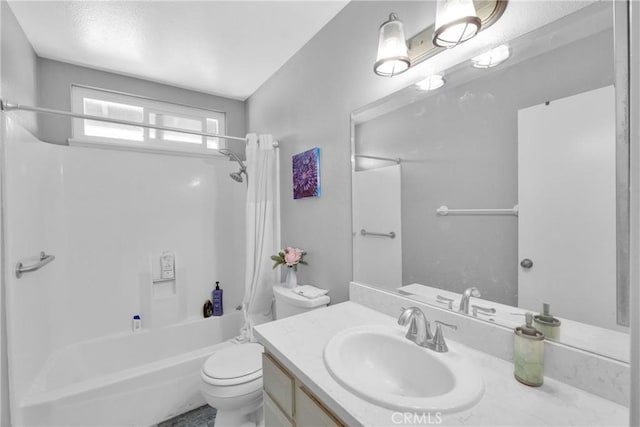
226 48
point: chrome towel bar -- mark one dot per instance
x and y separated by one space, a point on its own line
390 235
44 260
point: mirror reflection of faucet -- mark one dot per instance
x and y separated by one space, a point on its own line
487 311
445 300
466 296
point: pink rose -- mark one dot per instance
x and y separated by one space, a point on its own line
291 256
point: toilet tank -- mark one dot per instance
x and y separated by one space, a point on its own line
289 303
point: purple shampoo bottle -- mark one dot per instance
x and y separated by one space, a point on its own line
216 299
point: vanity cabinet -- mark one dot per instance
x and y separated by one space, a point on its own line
288 402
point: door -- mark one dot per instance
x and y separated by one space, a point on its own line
567 199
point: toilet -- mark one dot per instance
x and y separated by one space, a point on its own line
232 377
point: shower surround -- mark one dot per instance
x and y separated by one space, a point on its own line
107 216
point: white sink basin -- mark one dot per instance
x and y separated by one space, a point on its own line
380 365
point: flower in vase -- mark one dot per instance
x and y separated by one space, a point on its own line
290 257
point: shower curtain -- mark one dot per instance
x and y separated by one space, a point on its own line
263 232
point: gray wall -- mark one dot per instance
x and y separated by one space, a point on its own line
308 102
54 91
459 148
17 84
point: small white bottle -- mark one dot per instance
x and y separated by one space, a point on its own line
137 323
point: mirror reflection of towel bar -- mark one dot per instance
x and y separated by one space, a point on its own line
444 210
390 235
44 260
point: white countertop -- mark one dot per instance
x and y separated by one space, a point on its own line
298 342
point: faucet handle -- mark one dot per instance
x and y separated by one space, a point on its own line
448 325
445 300
412 332
482 310
439 344
406 315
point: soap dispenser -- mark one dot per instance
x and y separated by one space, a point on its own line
546 323
528 353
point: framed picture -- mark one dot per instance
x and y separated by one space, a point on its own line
306 174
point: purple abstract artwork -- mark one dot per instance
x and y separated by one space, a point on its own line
306 174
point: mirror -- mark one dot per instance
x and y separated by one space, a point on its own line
512 179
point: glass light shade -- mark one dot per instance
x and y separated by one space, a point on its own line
393 56
491 58
432 82
456 22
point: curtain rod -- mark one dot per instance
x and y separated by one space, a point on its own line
6 106
388 159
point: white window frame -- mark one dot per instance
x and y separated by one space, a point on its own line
148 144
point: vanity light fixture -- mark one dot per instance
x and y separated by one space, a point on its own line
456 21
433 82
393 56
491 58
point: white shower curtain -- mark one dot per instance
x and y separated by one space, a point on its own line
263 231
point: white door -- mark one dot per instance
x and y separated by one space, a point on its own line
567 199
377 260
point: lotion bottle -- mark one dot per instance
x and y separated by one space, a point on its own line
528 354
137 323
216 300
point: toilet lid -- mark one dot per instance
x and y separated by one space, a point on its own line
236 361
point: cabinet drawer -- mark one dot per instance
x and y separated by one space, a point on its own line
273 416
310 412
278 384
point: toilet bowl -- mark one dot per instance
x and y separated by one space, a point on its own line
232 383
232 377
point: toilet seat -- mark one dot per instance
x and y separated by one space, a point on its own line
238 364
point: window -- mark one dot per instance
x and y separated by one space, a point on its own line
131 108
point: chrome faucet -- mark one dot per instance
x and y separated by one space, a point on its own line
466 296
420 330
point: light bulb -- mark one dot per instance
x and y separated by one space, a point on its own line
393 57
456 22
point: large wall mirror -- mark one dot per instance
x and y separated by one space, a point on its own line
511 179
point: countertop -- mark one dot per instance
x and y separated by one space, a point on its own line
298 342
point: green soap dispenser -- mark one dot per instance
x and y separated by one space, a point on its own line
546 323
528 354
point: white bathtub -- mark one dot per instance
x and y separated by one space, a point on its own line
127 379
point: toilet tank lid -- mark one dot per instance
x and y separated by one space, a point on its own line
286 295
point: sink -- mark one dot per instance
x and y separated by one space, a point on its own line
380 365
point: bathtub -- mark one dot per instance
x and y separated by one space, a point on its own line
126 379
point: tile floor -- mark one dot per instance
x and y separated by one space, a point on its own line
203 416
